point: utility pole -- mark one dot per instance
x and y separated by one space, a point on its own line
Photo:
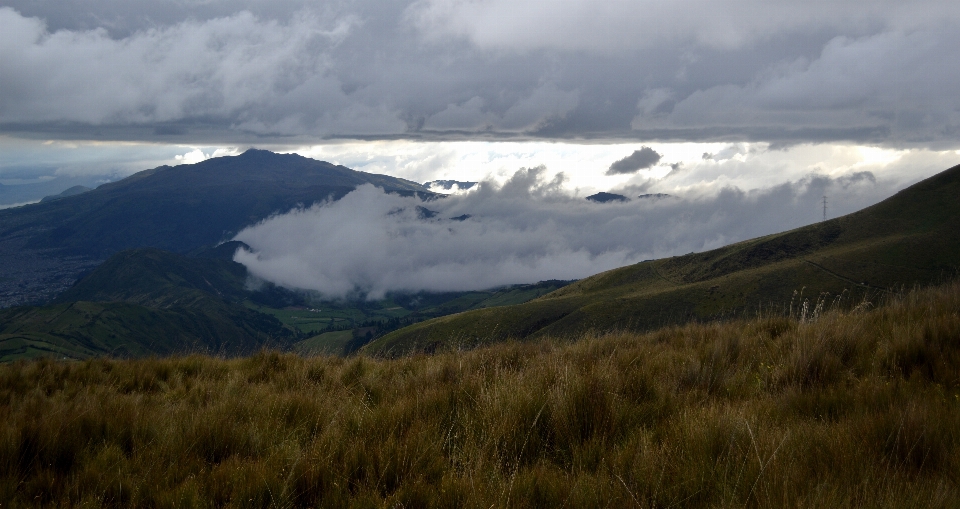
824 208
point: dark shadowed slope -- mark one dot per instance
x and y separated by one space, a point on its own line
45 246
73 191
912 238
181 208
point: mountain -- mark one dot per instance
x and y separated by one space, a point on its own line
602 197
20 194
912 238
44 247
179 208
73 191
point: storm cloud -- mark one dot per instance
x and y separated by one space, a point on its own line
641 159
291 71
526 230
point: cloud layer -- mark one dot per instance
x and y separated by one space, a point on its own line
236 71
526 230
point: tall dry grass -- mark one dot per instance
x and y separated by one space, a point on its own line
850 408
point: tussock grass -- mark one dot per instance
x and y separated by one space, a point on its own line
849 408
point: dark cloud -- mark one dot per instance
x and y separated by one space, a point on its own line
245 71
641 159
523 231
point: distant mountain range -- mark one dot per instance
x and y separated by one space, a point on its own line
19 194
603 197
448 185
45 246
912 238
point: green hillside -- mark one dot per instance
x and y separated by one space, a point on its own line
83 329
143 302
912 238
157 278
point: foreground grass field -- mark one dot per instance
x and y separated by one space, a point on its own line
846 408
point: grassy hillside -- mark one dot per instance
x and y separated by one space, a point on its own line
912 238
842 409
145 302
157 278
79 330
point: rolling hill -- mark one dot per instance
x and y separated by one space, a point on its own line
146 302
912 238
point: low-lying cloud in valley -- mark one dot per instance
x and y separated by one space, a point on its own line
528 229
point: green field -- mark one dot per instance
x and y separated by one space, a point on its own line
312 322
329 319
328 343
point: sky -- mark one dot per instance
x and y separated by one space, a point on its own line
700 99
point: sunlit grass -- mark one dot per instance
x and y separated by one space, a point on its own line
852 408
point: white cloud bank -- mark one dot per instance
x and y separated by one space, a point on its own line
523 231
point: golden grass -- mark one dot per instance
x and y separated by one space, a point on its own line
857 408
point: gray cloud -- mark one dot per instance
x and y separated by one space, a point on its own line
641 159
291 71
526 230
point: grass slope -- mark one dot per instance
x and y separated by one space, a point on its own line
843 409
145 302
912 238
157 278
78 330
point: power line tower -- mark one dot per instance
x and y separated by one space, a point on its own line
824 208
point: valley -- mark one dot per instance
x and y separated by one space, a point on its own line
179 291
